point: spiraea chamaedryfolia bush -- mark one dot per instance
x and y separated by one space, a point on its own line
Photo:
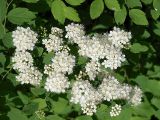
79 59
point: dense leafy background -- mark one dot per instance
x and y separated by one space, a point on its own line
141 17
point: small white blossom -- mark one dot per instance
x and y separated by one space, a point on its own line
115 110
63 62
92 69
75 32
57 83
136 96
119 38
24 39
30 76
84 94
111 89
55 41
89 108
22 61
113 59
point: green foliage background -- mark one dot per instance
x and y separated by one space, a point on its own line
141 17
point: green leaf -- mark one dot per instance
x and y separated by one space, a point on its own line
103 112
138 17
112 4
30 109
144 110
138 48
84 117
2 59
14 113
155 14
37 91
147 1
47 57
31 1
145 35
23 97
82 60
58 12
1 70
147 85
157 114
2 31
133 3
96 8
7 40
157 31
155 73
156 5
61 106
12 78
41 103
157 24
35 117
125 114
20 15
54 117
38 51
99 26
138 118
3 10
156 102
75 2
120 15
71 14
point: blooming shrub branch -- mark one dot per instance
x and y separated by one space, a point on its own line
101 51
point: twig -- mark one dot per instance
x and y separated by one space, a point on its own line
7 73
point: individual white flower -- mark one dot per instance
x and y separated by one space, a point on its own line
136 96
24 39
92 69
119 38
63 62
30 76
115 110
114 59
55 41
57 83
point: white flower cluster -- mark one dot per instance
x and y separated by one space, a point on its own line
115 110
119 38
24 39
136 96
57 83
92 69
54 42
62 63
111 89
84 94
105 47
101 50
